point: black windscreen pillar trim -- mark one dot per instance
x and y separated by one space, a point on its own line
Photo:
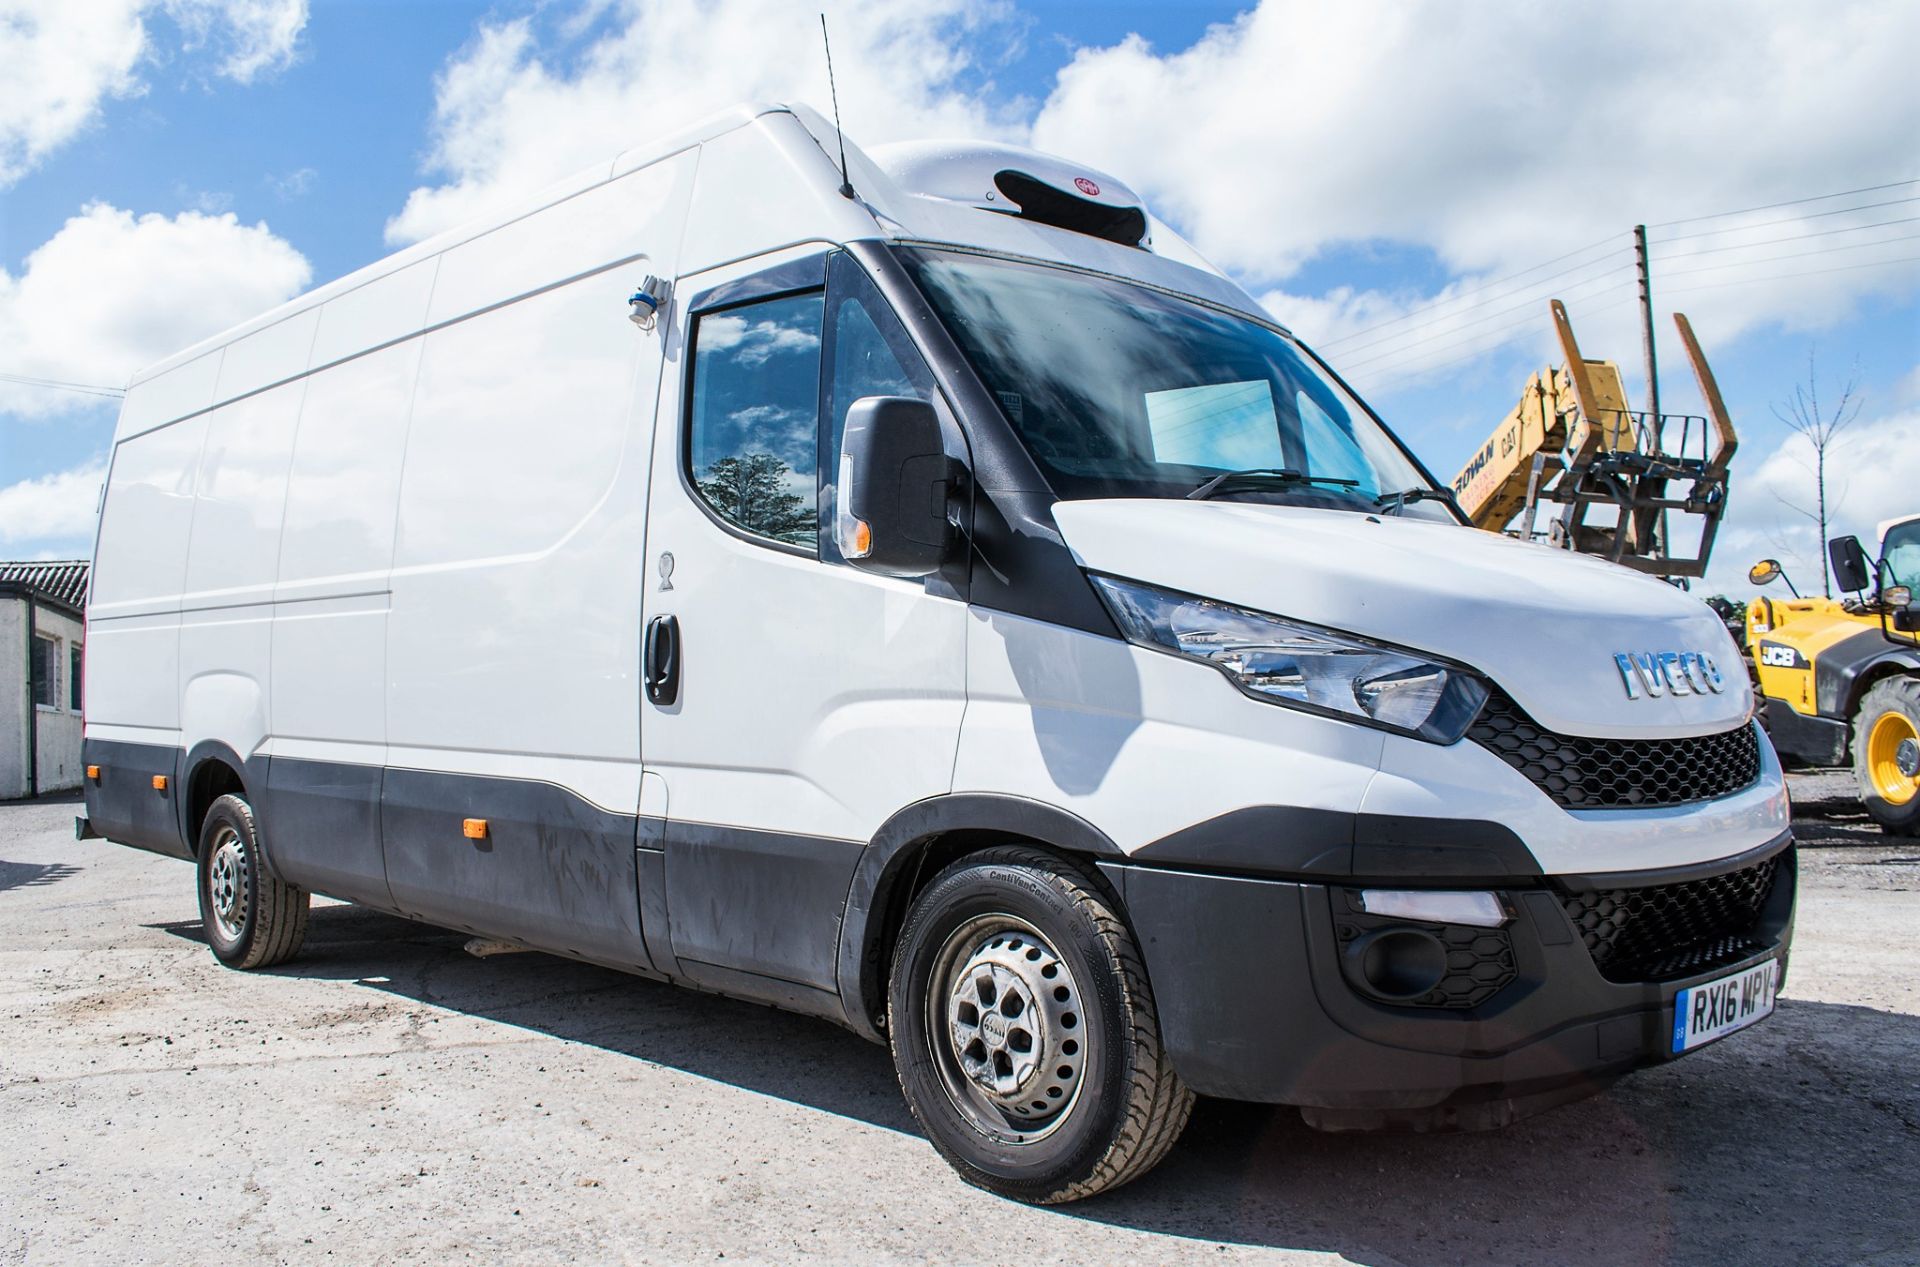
806 273
1018 563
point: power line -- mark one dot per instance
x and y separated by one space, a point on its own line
1498 281
1485 290
1792 255
1806 272
87 389
1791 237
1512 325
1450 328
1480 344
1488 340
1791 202
1533 290
1764 224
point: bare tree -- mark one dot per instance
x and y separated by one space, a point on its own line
1806 417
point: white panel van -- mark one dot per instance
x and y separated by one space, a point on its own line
950 608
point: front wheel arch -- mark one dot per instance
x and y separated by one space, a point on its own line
909 850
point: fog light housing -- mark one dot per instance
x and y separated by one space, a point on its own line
1476 910
1399 963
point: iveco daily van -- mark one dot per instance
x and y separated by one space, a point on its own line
936 601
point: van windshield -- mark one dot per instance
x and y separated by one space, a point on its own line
1122 391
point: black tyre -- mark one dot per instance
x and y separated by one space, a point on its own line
1886 754
252 918
1024 1031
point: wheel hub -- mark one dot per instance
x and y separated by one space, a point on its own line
1013 1024
227 883
1893 758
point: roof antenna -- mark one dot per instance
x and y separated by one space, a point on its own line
846 186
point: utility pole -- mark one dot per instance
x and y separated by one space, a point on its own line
1645 274
1643 270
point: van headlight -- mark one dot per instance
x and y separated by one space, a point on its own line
1301 666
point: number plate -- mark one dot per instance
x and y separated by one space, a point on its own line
1702 1013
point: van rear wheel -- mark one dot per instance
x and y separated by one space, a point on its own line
1024 1031
1886 754
252 918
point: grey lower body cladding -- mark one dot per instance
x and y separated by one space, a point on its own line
757 915
1258 999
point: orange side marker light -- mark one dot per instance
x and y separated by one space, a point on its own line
475 828
159 782
93 774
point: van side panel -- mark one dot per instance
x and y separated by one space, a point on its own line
183 390
330 621
134 610
227 608
638 214
514 631
515 588
133 635
272 354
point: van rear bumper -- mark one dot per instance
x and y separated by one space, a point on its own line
1261 996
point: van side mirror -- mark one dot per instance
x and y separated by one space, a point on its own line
1851 571
890 512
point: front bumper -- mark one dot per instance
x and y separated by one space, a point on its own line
1258 1000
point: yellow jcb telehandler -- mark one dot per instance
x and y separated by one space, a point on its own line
1841 677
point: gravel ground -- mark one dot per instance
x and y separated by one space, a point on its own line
392 1098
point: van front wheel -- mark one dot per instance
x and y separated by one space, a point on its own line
1024 1031
252 918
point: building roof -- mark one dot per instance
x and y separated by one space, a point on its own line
61 581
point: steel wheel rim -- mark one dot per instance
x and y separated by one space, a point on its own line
1892 744
1006 1027
227 883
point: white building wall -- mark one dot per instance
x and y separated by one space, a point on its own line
14 695
58 727
60 769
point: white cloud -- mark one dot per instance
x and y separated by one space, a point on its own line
256 36
110 293
63 58
1491 132
1482 135
1873 474
294 184
58 507
758 341
516 111
1498 135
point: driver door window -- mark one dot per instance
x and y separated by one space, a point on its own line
754 425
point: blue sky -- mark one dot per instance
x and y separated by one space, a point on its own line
1353 166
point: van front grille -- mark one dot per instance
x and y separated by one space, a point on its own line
1582 773
1666 931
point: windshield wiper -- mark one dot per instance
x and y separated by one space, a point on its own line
1282 476
1398 501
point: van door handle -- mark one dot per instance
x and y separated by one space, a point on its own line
661 665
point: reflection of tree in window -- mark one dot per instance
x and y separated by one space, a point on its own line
753 492
753 441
